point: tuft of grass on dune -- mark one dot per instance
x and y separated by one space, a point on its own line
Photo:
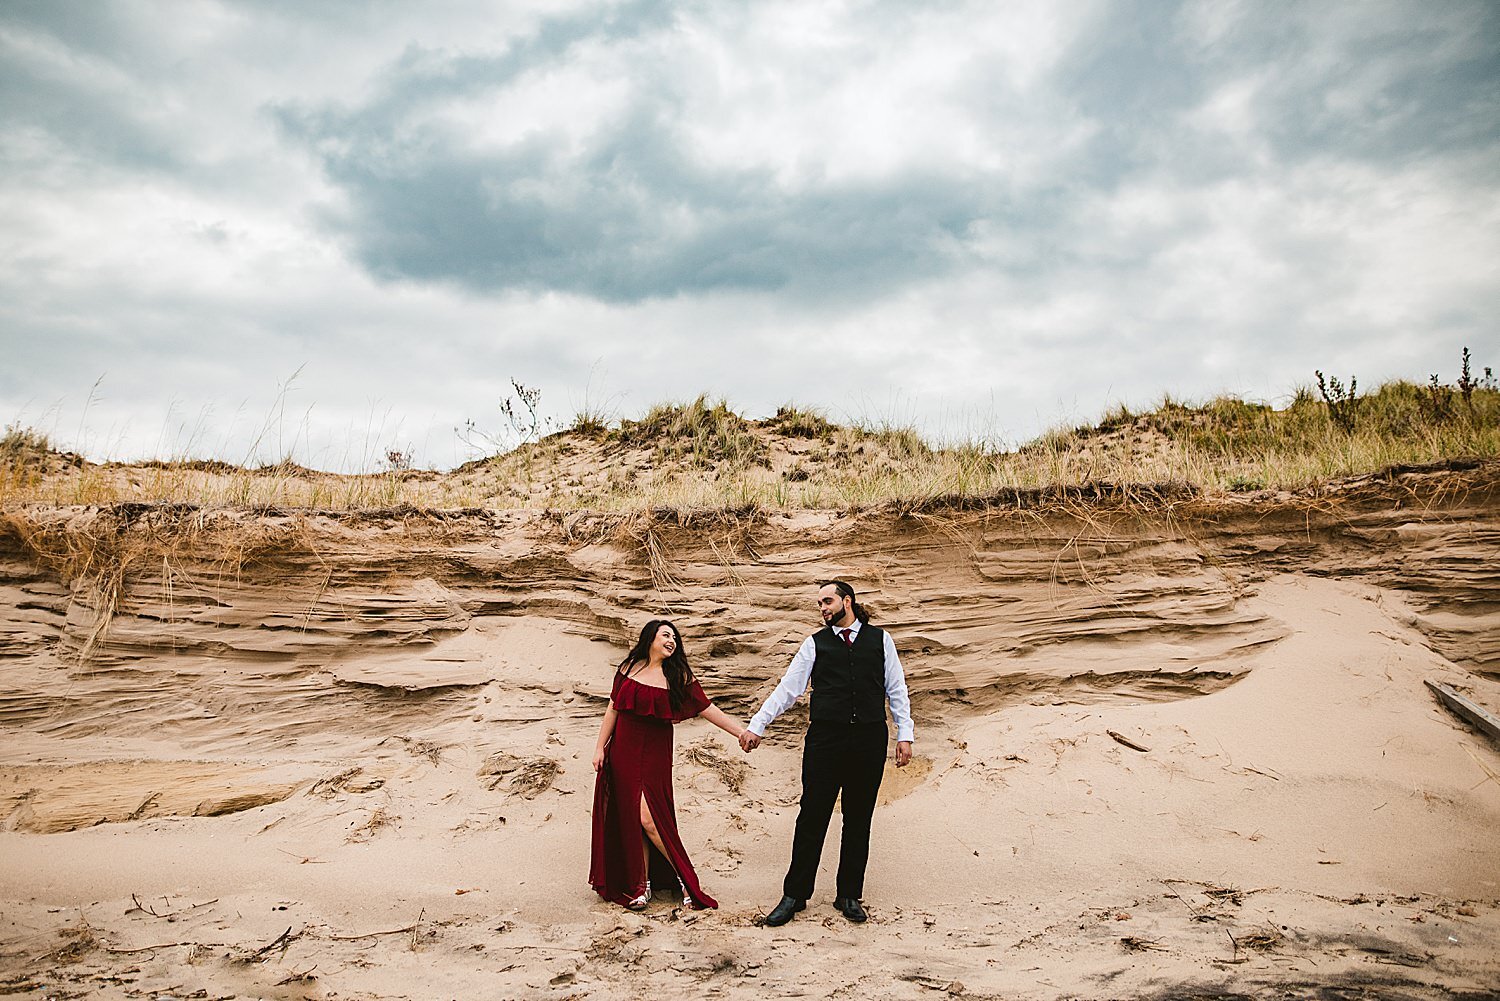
701 455
1233 445
20 444
798 422
697 433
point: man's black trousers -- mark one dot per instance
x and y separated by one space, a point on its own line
837 757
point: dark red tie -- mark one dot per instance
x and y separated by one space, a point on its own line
848 636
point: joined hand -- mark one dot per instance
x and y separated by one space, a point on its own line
749 741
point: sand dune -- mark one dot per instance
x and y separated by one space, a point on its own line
348 756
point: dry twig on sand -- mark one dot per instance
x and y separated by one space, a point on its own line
143 908
1122 739
408 929
171 914
1134 943
1263 941
1196 913
282 941
151 948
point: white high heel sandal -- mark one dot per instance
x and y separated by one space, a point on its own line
688 899
639 903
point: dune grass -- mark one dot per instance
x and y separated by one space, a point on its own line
702 455
697 433
1231 444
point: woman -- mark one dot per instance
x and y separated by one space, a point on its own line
635 819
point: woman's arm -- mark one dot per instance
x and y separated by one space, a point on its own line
606 730
724 722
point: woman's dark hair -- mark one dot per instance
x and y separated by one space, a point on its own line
845 591
675 667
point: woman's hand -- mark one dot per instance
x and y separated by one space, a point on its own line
598 758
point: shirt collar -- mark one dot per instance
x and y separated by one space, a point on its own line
854 629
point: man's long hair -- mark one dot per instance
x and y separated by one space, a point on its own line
845 591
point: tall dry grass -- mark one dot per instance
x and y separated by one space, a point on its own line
702 455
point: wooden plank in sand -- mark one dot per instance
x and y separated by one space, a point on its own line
1477 716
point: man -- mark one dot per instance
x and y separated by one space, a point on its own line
854 671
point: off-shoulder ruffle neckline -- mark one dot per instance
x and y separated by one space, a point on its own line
649 700
643 698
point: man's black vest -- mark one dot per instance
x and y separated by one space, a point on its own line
848 682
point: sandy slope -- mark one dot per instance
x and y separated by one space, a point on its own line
364 772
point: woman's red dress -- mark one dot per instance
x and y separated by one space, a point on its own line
637 763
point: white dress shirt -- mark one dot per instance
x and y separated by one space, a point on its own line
794 683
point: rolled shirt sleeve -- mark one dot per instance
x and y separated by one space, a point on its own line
789 689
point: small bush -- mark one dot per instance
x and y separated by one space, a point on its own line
1342 403
1437 402
21 444
794 422
1465 379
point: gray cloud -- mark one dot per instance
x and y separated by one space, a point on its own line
1374 82
631 216
61 78
633 210
608 230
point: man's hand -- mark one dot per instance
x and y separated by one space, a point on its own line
749 741
903 753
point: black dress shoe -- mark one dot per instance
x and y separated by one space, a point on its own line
782 912
851 908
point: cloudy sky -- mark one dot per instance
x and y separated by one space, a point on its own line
250 229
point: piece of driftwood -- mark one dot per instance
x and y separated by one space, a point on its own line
1475 715
1120 738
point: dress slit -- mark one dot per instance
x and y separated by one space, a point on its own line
638 768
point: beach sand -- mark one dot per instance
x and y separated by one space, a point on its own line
356 763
